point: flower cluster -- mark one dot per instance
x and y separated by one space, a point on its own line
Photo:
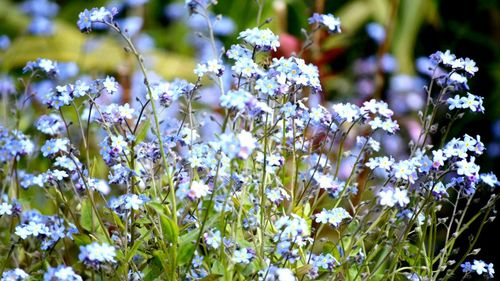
479 267
14 144
61 273
127 202
47 229
245 175
88 19
97 255
333 217
330 22
260 39
16 274
42 12
46 66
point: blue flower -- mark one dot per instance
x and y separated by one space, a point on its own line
213 239
470 66
84 22
237 99
324 261
87 18
43 8
4 43
237 52
347 112
277 195
197 261
267 85
54 146
246 67
123 204
292 228
479 267
50 124
376 31
14 144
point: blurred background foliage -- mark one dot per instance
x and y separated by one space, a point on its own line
391 34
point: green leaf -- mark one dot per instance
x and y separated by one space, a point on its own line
303 270
218 268
143 131
118 220
86 218
162 257
138 242
153 270
157 207
212 277
81 239
186 250
170 229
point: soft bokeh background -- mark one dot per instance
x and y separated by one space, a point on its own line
380 53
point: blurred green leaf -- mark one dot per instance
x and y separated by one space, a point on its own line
411 16
68 44
353 16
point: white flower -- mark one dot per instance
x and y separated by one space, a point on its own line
479 267
439 158
110 85
47 65
386 198
247 144
37 228
454 102
385 163
5 209
22 231
470 66
285 274
349 112
331 22
198 190
466 168
489 179
458 78
447 58
400 196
